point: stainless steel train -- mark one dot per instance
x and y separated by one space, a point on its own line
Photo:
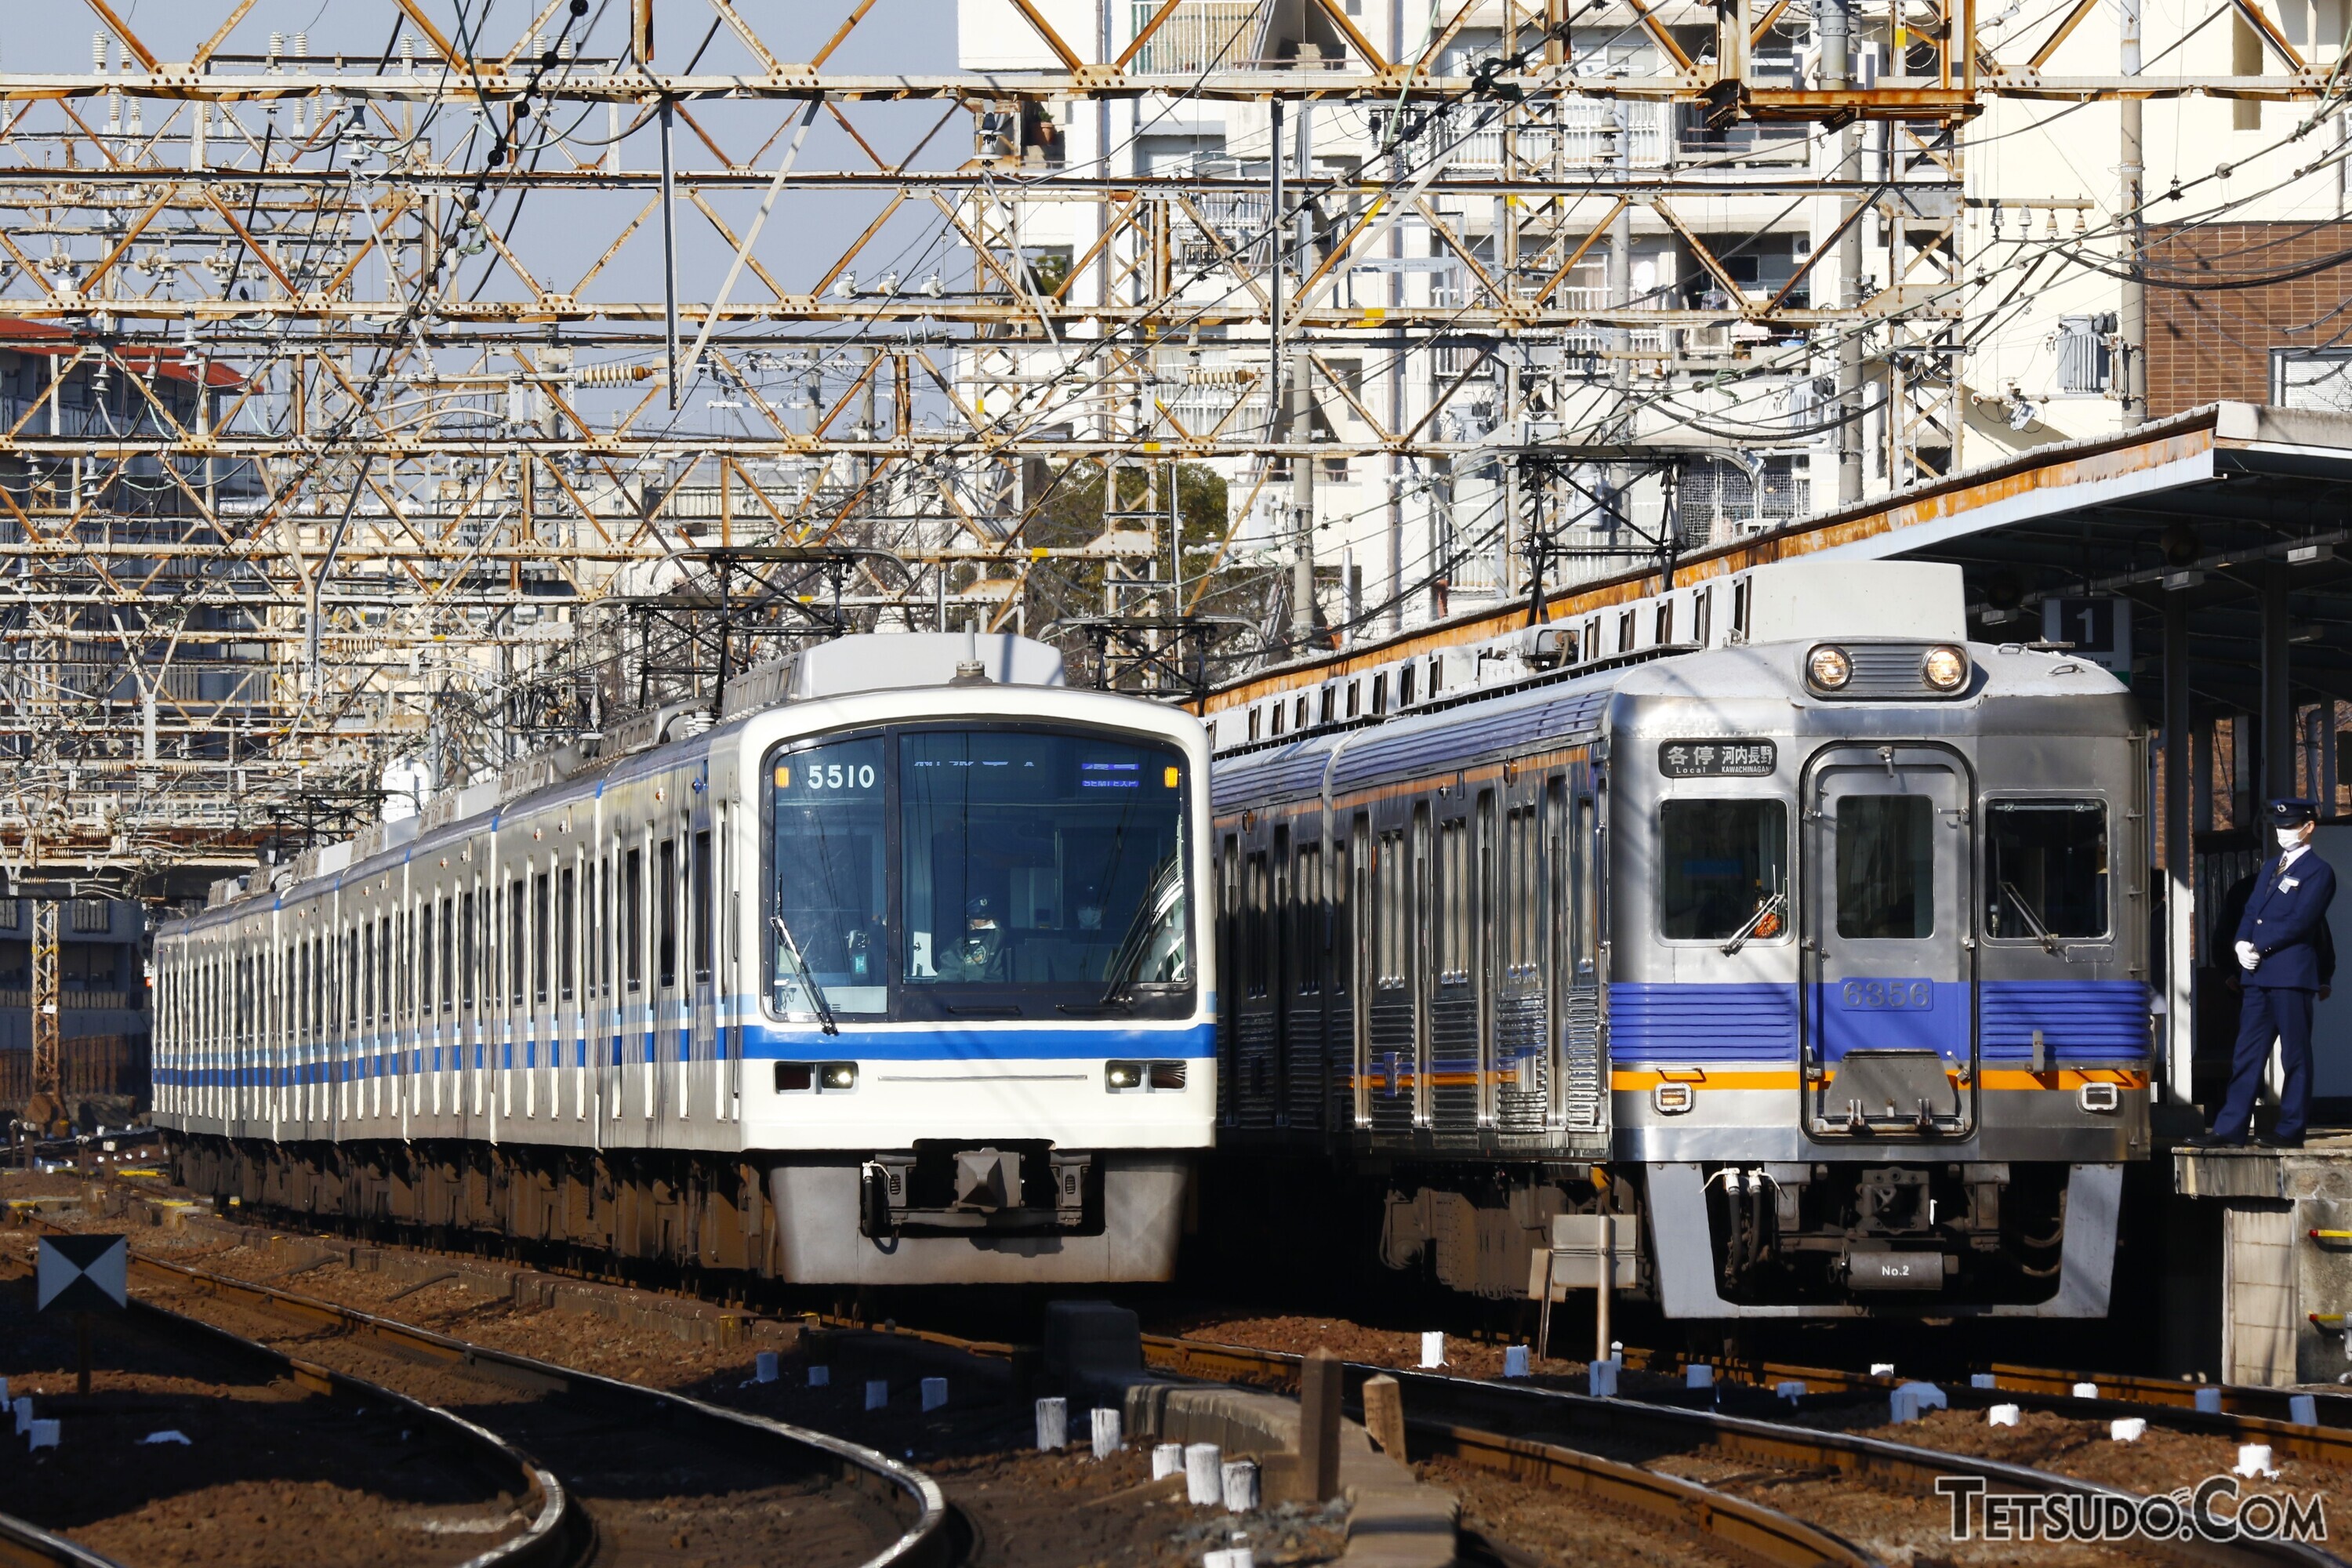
891 976
1773 914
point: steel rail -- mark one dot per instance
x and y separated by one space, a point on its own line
555 1527
1463 1401
928 1542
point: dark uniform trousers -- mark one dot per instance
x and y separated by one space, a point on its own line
2286 921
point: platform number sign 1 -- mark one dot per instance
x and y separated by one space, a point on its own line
81 1274
2095 630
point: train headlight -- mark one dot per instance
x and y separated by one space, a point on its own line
1829 668
836 1076
1945 669
1123 1074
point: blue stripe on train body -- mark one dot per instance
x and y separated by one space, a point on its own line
2080 1020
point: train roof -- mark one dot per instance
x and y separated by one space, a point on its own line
1481 724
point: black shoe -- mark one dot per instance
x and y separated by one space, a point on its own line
2278 1143
2212 1141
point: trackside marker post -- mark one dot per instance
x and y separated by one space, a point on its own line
83 1274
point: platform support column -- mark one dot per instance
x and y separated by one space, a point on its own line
2179 861
2276 721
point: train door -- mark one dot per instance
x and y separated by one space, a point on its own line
1229 974
1576 834
1888 902
1307 962
1453 1035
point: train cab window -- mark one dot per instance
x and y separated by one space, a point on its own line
1719 862
1036 859
829 898
666 914
2045 869
1885 867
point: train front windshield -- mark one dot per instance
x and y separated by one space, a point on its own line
1025 873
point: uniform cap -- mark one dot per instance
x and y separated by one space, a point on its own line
2293 813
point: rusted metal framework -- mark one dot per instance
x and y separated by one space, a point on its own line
435 390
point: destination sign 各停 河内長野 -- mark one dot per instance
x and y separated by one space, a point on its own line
1717 759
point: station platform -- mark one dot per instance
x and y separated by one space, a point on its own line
2285 1247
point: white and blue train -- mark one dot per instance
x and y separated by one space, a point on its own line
892 975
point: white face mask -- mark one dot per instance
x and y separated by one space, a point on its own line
2288 837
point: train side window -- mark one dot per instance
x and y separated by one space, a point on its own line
1253 924
700 900
633 920
1307 924
1355 698
1522 922
424 959
2046 866
542 899
1330 704
1450 899
1719 861
1380 693
1404 686
1740 602
385 991
1339 930
1300 722
1253 723
1665 628
1390 916
352 1000
666 914
1702 615
1626 632
469 961
604 931
567 932
1885 867
514 935
448 955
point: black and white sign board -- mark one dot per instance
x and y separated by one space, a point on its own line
84 1273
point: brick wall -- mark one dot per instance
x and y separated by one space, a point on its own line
2207 344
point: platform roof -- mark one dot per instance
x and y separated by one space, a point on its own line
2200 509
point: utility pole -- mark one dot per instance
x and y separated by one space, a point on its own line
1837 74
2131 375
47 1105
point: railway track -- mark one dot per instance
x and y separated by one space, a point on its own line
648 1473
550 1526
1446 1411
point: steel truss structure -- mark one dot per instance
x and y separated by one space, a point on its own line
436 396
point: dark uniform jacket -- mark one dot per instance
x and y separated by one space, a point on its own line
2286 920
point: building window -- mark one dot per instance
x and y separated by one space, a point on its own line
90 915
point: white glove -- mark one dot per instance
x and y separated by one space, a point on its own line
2248 958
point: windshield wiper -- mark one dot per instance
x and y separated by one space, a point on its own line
2032 921
1764 911
808 976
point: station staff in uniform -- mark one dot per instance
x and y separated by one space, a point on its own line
2279 945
